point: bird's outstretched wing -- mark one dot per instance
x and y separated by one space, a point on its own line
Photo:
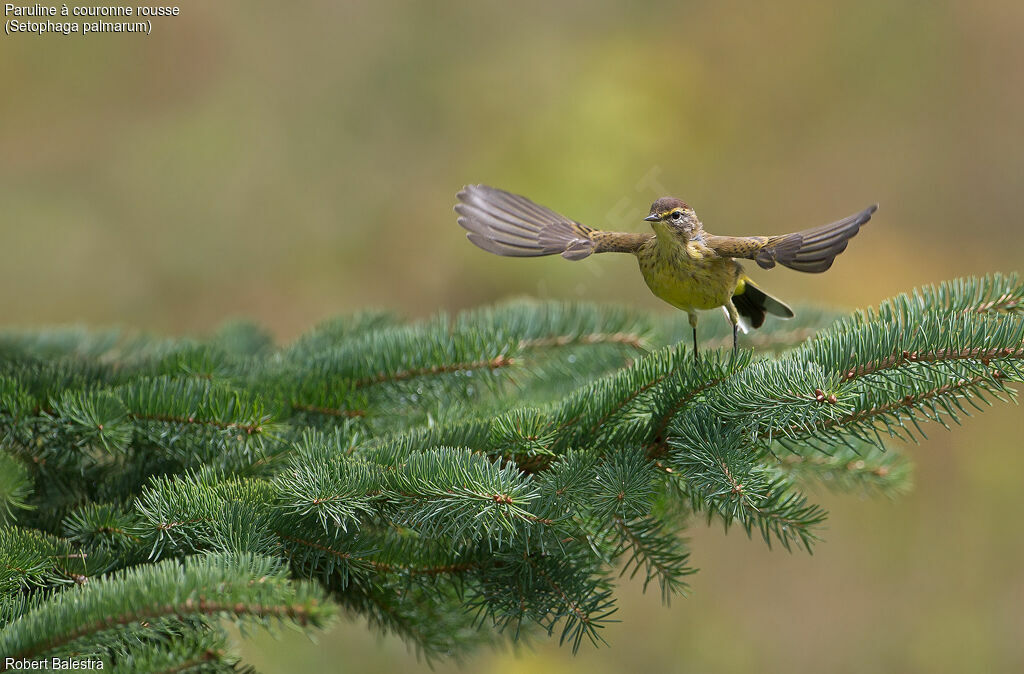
509 224
811 250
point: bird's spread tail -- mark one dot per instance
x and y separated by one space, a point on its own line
753 304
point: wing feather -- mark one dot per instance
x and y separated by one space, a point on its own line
811 250
509 224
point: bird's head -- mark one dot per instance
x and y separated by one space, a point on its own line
673 216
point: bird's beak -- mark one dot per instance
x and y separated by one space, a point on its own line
652 218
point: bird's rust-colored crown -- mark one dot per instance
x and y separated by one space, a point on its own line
666 204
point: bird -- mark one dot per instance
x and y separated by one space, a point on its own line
682 264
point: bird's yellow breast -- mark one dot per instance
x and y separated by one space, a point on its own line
687 275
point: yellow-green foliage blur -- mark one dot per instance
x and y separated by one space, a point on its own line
289 162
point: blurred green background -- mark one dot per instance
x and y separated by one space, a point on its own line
289 163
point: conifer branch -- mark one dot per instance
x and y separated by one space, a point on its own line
329 411
895 361
244 587
773 340
629 339
497 466
659 551
494 363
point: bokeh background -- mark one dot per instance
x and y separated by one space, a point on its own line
287 163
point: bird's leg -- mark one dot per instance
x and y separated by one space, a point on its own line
693 324
734 318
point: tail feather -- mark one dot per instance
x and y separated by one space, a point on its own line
753 304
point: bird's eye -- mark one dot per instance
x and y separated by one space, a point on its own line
676 215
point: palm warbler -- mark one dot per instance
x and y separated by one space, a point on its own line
682 264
